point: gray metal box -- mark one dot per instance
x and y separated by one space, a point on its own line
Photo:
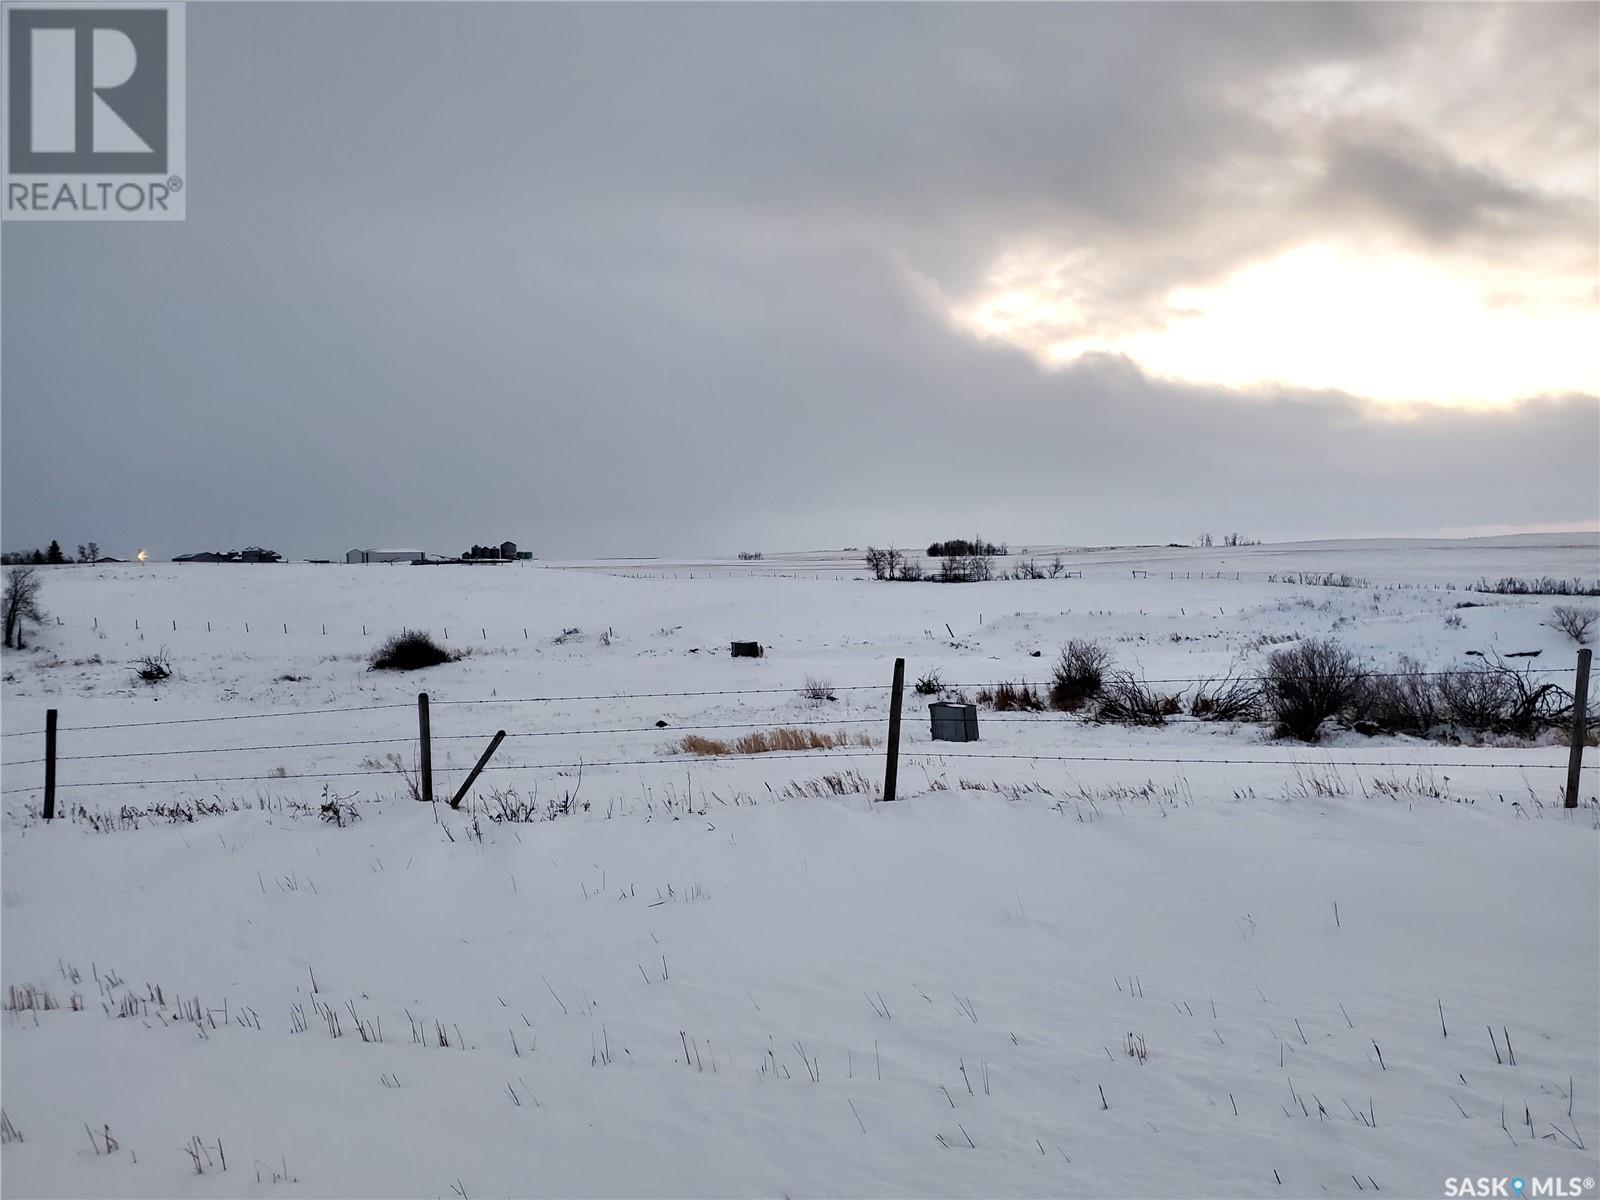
954 722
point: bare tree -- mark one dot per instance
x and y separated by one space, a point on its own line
885 564
21 603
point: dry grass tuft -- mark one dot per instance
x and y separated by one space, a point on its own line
767 741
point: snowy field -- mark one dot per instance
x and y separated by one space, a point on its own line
1073 959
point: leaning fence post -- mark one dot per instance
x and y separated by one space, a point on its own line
427 746
891 767
494 744
49 763
1580 726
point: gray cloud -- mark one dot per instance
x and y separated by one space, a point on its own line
1412 182
655 278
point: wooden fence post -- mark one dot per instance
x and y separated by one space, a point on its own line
426 738
891 767
500 736
1580 726
49 763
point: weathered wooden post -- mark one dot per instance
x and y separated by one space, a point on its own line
891 768
1580 726
49 763
426 739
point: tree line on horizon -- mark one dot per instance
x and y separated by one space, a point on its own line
88 552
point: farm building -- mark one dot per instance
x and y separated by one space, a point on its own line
250 554
384 556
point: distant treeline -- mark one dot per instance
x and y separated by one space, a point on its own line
54 556
966 548
1511 585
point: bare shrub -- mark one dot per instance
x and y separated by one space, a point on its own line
767 741
1472 698
1078 675
929 685
1306 684
1500 698
817 689
1230 698
1576 623
1127 700
153 668
409 650
1405 700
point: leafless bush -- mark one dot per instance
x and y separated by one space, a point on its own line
1500 698
153 668
1230 698
1306 684
1472 698
409 650
817 689
338 810
1405 700
1575 622
930 684
1078 674
1127 700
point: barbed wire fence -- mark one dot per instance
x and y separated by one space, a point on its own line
857 747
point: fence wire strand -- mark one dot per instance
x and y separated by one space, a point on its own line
793 689
943 757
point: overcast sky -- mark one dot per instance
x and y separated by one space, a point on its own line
612 279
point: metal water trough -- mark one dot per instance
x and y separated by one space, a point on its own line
746 649
954 722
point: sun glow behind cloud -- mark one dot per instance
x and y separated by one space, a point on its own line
1401 329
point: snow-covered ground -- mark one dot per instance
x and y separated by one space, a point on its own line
1072 960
